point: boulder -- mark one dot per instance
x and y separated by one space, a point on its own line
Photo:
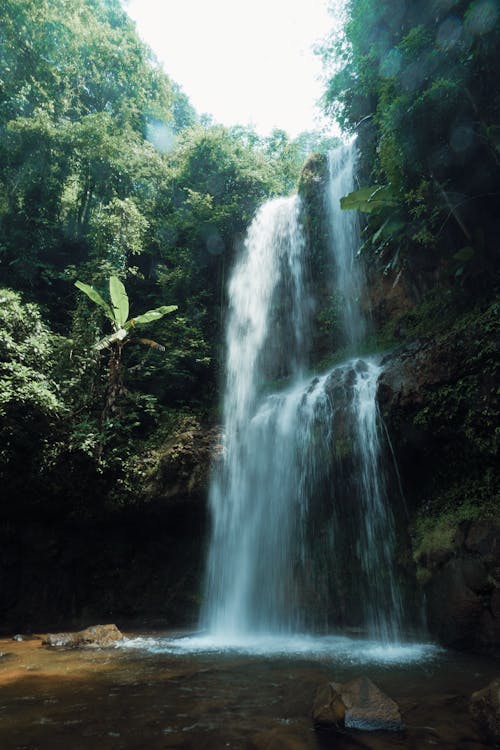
358 704
328 708
485 710
97 636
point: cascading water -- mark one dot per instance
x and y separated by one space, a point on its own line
249 584
348 279
302 532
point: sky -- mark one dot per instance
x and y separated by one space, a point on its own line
246 62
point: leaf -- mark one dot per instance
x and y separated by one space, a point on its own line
149 342
464 255
389 229
369 199
119 300
118 335
94 295
151 315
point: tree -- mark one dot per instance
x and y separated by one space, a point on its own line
31 400
117 312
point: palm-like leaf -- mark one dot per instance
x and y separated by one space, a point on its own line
94 295
119 300
150 316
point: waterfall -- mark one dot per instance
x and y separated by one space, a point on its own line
302 530
348 281
249 585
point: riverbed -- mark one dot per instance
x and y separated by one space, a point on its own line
157 691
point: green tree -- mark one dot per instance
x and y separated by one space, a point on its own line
32 404
117 312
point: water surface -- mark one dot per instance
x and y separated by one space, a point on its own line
157 692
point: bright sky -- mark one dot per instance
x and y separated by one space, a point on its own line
247 62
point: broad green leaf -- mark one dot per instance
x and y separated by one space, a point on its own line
151 315
119 300
94 295
369 199
388 230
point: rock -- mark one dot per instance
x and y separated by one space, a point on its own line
454 610
439 404
484 708
489 632
358 704
180 469
328 706
101 635
97 636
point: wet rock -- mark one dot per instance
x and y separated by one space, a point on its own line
328 706
462 595
180 469
454 609
358 704
98 636
434 395
489 632
485 710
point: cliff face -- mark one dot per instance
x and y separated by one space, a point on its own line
439 399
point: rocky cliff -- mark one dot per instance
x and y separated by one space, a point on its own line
439 398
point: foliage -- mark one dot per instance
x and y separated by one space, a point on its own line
31 402
107 172
415 80
117 312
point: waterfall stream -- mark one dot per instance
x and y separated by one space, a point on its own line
302 529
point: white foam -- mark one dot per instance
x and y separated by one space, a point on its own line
340 649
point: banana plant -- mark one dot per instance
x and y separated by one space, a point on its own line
117 312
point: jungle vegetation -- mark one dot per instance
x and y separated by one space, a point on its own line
416 80
107 171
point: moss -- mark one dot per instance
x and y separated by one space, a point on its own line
442 311
436 524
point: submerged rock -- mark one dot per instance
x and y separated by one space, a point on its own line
97 636
358 704
484 708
